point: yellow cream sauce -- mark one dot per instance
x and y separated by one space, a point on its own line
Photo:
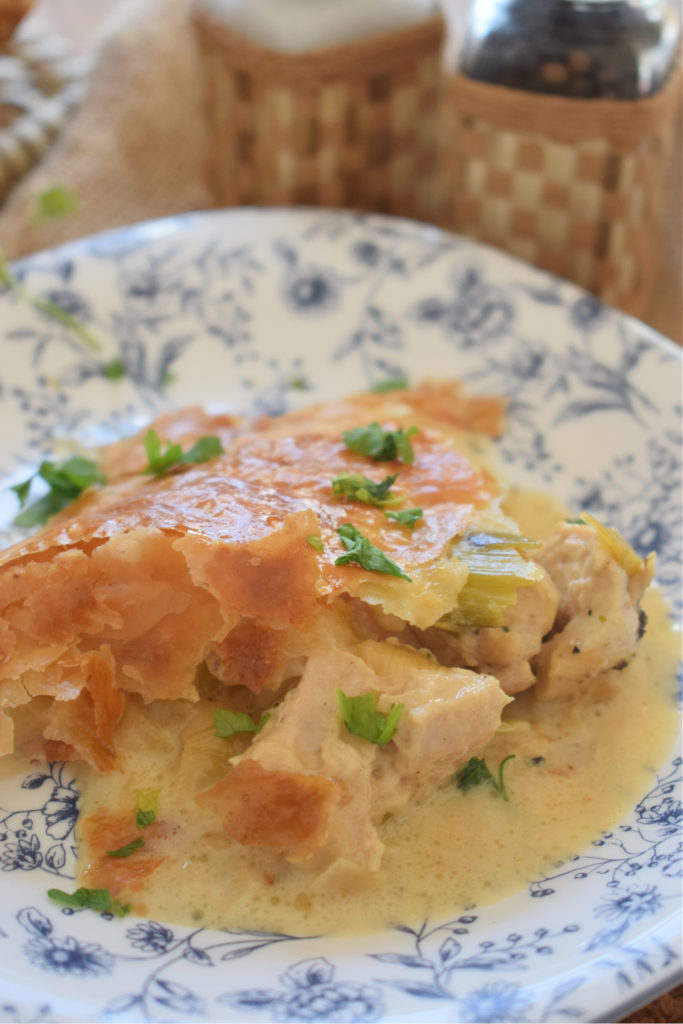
578 767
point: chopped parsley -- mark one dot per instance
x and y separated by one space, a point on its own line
360 550
47 306
147 808
381 445
405 516
362 718
160 460
114 370
477 771
227 723
99 900
390 384
66 482
315 542
128 849
356 487
21 490
54 202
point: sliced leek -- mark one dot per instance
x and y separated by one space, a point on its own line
496 572
622 551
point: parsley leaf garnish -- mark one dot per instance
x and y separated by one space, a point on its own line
390 384
405 516
476 771
146 811
227 723
43 305
315 541
66 482
160 460
362 718
114 370
360 550
21 490
125 851
472 774
357 487
99 900
57 201
381 445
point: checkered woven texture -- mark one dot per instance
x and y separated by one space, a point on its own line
40 82
569 186
347 126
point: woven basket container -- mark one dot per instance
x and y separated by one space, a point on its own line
40 83
345 126
573 186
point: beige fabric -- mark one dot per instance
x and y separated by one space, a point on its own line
149 163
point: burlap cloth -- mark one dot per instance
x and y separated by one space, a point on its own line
149 162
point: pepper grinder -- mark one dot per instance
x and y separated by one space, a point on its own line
558 122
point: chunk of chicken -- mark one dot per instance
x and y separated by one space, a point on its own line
338 785
502 651
598 621
449 713
506 651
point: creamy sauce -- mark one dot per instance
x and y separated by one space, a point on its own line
599 755
579 766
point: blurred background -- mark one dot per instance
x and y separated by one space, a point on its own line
141 75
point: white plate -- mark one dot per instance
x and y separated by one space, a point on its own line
265 310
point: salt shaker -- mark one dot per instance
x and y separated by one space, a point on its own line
299 26
322 102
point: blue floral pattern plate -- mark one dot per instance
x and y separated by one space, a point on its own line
262 311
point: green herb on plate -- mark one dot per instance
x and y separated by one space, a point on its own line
477 771
48 307
227 723
160 460
66 482
356 487
360 550
99 900
128 849
381 445
146 811
405 516
362 718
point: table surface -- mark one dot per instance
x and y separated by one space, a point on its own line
81 23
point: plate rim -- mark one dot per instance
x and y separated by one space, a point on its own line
149 228
174 224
